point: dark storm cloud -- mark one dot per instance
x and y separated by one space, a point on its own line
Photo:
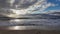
5 11
2 3
20 3
26 4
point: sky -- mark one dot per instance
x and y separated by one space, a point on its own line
31 6
57 4
48 6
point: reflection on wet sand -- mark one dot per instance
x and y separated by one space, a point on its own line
23 24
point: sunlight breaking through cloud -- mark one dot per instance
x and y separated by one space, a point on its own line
18 7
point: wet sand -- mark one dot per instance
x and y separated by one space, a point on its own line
29 32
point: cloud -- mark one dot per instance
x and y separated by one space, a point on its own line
37 6
41 5
57 0
51 11
23 4
30 6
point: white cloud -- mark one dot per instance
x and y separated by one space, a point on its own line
37 7
57 0
34 6
51 11
41 5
